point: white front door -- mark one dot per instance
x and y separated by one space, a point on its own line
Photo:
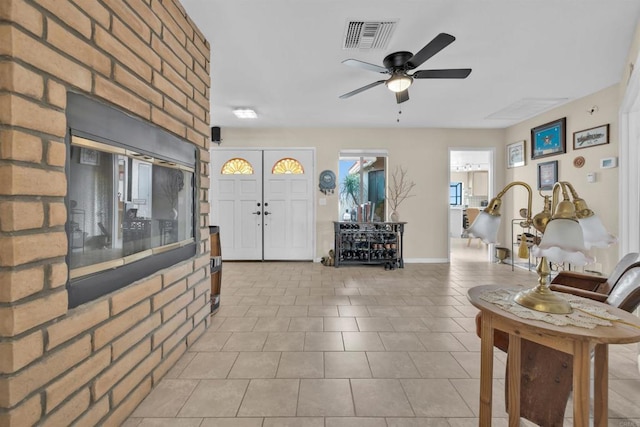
263 214
236 202
288 206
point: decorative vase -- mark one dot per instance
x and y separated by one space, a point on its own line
394 217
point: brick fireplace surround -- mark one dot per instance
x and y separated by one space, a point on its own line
92 364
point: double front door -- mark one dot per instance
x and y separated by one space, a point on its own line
263 202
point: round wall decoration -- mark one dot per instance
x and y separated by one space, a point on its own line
327 181
578 162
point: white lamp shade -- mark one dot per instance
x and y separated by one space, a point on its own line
563 241
595 234
398 83
485 227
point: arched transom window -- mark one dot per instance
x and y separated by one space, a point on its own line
287 165
237 166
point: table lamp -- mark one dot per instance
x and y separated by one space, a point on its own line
568 230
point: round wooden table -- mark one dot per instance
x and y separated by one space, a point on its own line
573 340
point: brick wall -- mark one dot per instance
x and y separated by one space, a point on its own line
95 363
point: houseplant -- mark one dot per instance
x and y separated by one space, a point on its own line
398 190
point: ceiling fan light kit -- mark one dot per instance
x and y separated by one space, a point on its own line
399 82
398 65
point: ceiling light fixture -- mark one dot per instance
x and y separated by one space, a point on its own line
245 113
399 82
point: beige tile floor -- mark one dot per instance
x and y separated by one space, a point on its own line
303 345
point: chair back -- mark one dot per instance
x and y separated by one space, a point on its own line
626 292
618 271
472 213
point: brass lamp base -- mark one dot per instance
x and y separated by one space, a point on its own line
541 298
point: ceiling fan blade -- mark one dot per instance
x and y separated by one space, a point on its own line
454 73
439 42
402 96
362 89
365 66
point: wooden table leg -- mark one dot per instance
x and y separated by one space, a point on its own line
581 362
515 359
601 386
486 369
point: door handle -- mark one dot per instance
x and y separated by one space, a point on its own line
257 213
266 213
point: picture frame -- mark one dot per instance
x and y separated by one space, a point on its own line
516 155
547 175
598 135
89 157
549 139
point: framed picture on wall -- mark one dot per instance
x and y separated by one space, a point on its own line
516 154
591 137
547 175
549 139
89 157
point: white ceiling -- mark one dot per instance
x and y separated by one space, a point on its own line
283 58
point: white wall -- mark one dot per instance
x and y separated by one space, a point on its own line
422 152
601 196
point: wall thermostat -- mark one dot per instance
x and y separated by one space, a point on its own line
608 162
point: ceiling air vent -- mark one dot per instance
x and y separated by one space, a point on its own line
368 35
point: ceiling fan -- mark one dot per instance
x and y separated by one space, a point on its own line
398 65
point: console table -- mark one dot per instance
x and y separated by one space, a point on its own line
369 243
573 340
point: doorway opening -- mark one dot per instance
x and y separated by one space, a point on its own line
470 188
362 184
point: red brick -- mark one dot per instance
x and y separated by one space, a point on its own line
179 81
15 78
198 85
17 284
21 112
169 89
77 47
196 54
16 215
19 318
21 13
22 249
69 14
178 112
